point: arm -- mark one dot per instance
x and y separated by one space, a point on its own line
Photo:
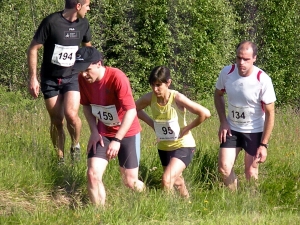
268 127
32 60
114 146
95 136
141 104
126 123
202 113
220 107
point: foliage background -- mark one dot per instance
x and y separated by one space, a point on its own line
194 38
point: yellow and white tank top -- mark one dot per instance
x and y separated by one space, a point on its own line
168 120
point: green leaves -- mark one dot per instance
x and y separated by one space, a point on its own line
195 39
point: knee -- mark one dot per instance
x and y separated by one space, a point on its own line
72 117
224 169
251 173
129 181
168 180
179 182
93 177
58 122
136 185
133 183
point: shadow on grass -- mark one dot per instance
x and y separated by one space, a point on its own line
203 170
151 177
69 183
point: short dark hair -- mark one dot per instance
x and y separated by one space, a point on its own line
252 44
159 73
70 4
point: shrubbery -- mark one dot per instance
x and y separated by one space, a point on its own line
194 38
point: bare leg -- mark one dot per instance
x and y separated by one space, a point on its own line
172 176
251 167
55 108
130 179
227 157
181 187
96 190
71 106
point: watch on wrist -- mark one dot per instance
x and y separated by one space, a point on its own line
116 139
265 145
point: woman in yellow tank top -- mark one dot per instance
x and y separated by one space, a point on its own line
176 144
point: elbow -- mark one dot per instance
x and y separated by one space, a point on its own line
139 113
207 114
204 115
133 112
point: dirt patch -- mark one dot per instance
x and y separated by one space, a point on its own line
11 202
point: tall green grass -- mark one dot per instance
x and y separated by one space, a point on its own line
34 190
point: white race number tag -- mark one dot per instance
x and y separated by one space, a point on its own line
167 130
106 114
64 55
239 115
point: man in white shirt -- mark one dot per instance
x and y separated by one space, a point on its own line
250 116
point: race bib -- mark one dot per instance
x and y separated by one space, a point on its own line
106 114
239 115
64 55
167 130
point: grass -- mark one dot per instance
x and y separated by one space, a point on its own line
34 190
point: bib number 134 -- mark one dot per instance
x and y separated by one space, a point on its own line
238 115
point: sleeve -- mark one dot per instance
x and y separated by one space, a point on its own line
220 85
268 93
42 33
124 91
83 95
87 36
220 81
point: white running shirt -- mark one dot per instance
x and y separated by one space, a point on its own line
246 96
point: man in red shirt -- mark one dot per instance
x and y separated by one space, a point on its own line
109 108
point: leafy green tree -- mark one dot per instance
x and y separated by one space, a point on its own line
279 41
203 43
274 26
195 38
134 36
18 24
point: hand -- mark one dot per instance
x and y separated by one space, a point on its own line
156 140
34 87
113 150
223 131
94 139
261 154
183 131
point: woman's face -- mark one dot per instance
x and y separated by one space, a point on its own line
159 88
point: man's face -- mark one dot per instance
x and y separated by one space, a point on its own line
91 74
83 9
245 60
